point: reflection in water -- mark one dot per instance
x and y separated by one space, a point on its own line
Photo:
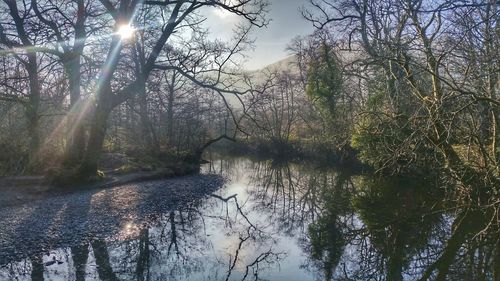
399 219
282 221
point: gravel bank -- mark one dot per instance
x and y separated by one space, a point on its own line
72 219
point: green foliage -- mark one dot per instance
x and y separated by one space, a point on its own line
371 135
12 157
393 143
393 140
376 100
324 84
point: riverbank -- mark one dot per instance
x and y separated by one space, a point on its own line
320 154
23 189
68 218
115 169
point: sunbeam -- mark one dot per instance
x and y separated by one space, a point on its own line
126 31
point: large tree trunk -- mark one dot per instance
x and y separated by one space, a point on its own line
104 106
33 104
496 261
76 136
97 134
395 261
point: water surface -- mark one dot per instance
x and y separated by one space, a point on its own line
269 221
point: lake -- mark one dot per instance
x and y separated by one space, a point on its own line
268 220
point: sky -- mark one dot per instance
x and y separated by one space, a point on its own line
271 41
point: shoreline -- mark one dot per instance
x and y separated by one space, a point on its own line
18 190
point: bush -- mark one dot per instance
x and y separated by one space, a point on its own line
393 143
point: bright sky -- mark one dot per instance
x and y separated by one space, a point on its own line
271 41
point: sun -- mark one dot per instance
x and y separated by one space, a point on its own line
126 31
222 13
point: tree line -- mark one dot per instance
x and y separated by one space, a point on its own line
70 76
412 86
409 85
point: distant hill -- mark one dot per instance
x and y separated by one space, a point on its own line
286 64
260 75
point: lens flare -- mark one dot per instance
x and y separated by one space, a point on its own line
126 31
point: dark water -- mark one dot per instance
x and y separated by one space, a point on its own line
281 221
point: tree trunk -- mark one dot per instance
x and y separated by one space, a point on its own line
32 109
170 110
395 262
104 106
34 131
97 134
150 142
496 261
76 136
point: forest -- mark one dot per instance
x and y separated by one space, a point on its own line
131 134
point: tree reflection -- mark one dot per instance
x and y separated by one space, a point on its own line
400 218
104 268
471 252
37 268
343 226
393 229
80 255
327 239
309 204
293 195
142 269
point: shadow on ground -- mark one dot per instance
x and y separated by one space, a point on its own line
75 219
